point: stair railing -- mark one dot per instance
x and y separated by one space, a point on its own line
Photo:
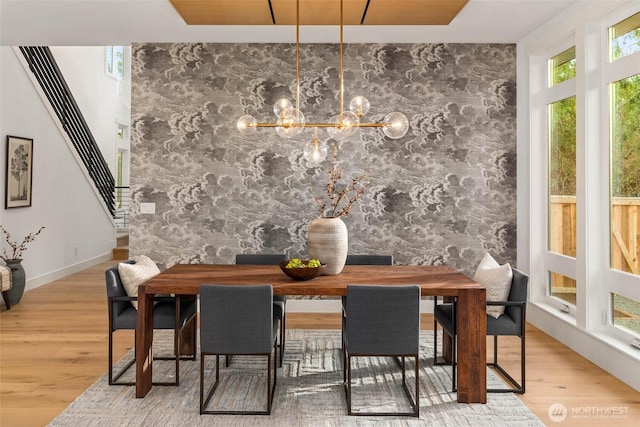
45 69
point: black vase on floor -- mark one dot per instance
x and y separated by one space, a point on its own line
18 280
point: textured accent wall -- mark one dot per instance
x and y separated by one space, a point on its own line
443 194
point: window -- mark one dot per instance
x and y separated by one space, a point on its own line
624 37
625 174
114 64
562 67
562 177
562 287
626 313
119 178
622 77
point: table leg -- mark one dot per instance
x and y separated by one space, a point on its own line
472 346
187 338
144 343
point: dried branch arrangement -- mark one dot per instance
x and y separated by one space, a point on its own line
18 249
340 202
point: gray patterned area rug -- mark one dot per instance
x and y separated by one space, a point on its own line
309 392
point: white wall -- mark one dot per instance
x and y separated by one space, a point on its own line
63 199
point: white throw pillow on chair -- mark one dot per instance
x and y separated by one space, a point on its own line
133 275
497 279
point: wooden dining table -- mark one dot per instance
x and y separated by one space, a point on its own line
185 279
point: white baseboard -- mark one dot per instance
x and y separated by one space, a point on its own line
63 272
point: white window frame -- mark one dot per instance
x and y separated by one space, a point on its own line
615 281
110 54
544 96
589 331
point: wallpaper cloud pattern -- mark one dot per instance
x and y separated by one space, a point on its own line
443 194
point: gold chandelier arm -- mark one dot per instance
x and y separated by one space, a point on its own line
373 125
319 125
298 55
341 64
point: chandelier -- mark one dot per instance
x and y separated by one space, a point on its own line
290 121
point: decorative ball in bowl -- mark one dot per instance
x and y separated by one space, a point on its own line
302 269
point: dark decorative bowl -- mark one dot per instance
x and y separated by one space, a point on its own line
304 273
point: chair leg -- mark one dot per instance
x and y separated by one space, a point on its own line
415 403
454 360
275 373
110 356
344 359
114 378
194 331
201 383
5 295
271 385
435 340
271 389
282 336
522 360
517 387
205 401
347 383
176 340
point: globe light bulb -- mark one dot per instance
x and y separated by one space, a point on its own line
359 105
315 151
396 125
344 128
246 125
282 107
290 124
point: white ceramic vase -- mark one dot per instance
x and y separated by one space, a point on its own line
328 241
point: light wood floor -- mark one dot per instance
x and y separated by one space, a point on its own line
53 345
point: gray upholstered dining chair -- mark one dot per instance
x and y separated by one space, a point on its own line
237 320
512 322
279 301
393 330
174 313
366 260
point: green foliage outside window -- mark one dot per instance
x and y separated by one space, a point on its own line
625 137
624 40
563 66
562 147
562 128
624 37
625 120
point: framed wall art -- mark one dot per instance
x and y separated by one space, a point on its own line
18 183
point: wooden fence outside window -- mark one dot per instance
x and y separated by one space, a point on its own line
625 237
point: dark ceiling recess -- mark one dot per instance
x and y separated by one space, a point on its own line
365 12
273 17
